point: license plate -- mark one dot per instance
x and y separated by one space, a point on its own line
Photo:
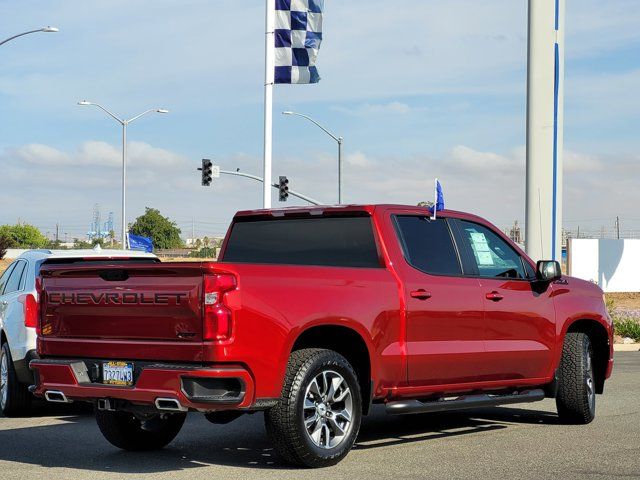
117 373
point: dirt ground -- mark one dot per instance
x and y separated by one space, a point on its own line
3 265
627 301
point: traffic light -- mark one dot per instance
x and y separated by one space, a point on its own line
283 186
207 172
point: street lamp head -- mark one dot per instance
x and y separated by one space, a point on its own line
287 112
84 103
50 29
162 110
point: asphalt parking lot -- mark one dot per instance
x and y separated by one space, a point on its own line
519 442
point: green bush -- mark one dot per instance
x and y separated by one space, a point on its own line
5 243
627 327
204 253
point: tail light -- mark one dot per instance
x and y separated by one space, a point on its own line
218 319
31 310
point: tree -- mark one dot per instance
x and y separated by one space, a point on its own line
23 235
163 232
5 243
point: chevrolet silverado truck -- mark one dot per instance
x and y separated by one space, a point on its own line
314 314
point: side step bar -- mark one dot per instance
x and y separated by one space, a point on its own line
402 407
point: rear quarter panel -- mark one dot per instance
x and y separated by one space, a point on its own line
274 304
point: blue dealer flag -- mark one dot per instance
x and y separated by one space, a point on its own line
140 243
298 35
439 197
438 204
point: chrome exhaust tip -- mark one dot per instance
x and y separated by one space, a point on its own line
169 405
104 404
55 396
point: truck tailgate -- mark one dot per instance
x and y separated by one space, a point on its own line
137 311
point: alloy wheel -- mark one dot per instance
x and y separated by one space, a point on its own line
590 383
4 380
328 409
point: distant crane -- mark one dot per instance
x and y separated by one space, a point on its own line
98 230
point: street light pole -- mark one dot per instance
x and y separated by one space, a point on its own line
45 30
124 124
340 141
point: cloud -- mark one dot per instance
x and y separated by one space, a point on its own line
42 184
97 154
358 159
369 109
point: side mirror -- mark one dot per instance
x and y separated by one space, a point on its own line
548 270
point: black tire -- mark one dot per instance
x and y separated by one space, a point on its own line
285 422
124 430
576 398
15 399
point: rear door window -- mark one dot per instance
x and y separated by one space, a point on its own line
15 279
321 241
428 244
5 277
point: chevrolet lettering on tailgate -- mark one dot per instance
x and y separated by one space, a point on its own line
129 298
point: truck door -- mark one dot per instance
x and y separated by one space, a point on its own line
444 322
519 317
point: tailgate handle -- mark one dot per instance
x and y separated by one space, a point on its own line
114 275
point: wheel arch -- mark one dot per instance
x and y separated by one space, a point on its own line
599 338
349 343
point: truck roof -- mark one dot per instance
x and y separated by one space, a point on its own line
334 209
45 254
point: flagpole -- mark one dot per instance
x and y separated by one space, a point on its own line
435 200
268 99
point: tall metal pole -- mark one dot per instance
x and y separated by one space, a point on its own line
124 185
340 140
545 113
269 79
124 124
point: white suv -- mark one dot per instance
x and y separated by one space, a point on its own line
19 311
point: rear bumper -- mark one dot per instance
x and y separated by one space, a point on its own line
219 387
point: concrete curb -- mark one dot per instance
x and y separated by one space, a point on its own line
626 347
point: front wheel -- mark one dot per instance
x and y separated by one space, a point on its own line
317 419
125 430
576 398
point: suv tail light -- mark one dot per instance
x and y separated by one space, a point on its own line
31 310
218 319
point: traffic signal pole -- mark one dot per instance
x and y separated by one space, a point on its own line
274 185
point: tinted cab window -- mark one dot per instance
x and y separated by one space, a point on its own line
428 245
321 241
492 256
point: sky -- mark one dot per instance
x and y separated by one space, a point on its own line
418 90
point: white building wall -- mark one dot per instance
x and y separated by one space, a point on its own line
613 264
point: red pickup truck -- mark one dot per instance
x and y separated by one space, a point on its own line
313 314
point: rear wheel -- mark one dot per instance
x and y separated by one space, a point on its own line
127 431
317 419
15 399
576 398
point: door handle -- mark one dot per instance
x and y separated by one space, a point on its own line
421 294
494 296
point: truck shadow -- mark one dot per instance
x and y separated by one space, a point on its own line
71 439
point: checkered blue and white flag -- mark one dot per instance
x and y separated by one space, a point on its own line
298 35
